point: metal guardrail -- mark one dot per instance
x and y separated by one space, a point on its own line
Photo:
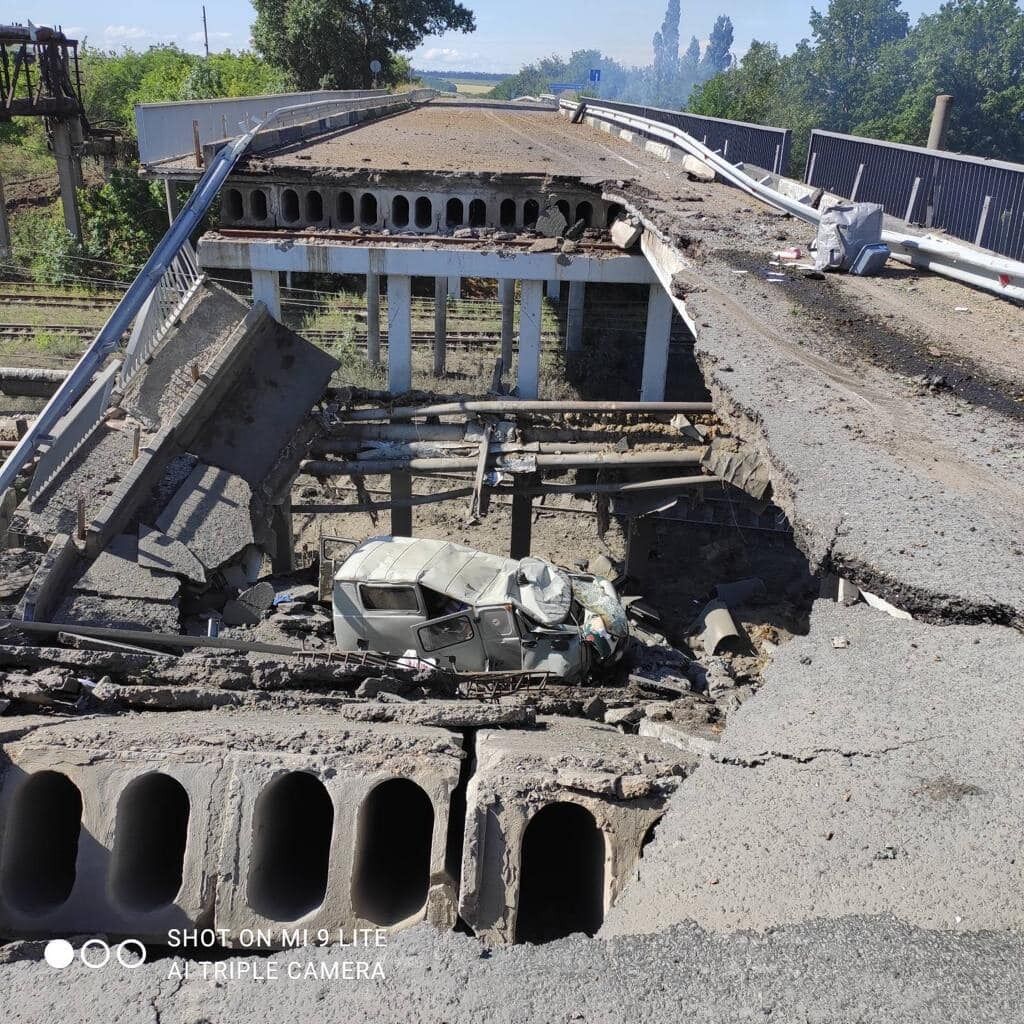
989 271
161 311
737 141
163 256
164 130
73 430
980 201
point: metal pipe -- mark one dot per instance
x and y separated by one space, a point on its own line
369 467
511 406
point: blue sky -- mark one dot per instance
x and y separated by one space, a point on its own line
508 35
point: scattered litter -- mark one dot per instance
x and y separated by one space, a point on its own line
789 254
840 642
883 606
718 627
961 309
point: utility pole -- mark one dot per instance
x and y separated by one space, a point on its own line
206 35
940 122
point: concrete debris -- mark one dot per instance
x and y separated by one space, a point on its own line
158 551
117 572
124 613
718 627
743 469
552 223
544 245
211 515
259 597
238 613
626 232
696 170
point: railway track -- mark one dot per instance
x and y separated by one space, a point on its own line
52 299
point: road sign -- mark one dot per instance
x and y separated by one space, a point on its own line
595 75
376 67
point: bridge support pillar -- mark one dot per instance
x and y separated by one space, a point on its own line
69 174
554 290
373 319
659 327
528 375
5 229
284 557
574 317
507 294
266 288
399 333
522 524
455 287
401 518
171 198
440 323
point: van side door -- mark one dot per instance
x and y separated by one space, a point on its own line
454 640
499 631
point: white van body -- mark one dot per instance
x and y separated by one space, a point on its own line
473 612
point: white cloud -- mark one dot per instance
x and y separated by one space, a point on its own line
121 32
447 58
197 37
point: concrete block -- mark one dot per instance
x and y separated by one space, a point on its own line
211 515
626 232
118 613
259 597
116 572
676 735
696 169
50 580
555 821
158 551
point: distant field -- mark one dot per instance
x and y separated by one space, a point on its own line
474 88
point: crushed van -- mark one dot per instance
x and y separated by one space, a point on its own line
471 612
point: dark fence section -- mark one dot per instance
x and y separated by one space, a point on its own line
737 141
980 201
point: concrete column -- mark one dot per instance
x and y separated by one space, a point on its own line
401 490
522 524
659 327
528 378
507 294
171 198
69 171
5 228
266 288
455 287
440 323
554 290
284 558
940 122
574 317
373 319
399 333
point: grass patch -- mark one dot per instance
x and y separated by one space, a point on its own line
57 343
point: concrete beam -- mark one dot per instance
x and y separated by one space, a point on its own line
399 333
528 376
321 255
656 339
574 316
266 288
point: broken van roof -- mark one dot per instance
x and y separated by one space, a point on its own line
465 574
459 572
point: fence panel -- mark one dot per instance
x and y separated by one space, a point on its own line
980 201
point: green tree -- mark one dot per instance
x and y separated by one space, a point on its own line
330 44
203 82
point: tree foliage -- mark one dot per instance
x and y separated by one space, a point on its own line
866 71
330 44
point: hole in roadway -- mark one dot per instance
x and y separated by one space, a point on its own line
346 208
392 868
561 888
291 845
233 204
149 842
454 213
290 205
41 843
368 210
400 212
424 212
